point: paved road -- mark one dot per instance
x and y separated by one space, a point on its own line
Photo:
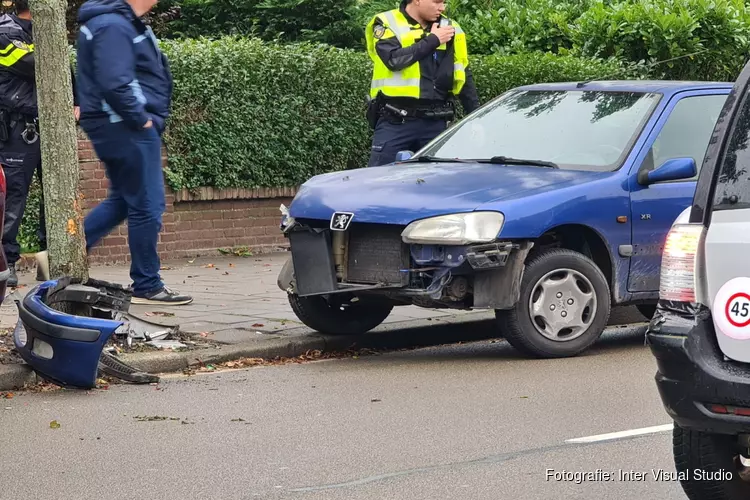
451 422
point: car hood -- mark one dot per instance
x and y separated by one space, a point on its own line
400 194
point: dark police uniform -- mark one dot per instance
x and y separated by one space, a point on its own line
415 82
20 154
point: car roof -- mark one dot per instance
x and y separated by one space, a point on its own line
658 86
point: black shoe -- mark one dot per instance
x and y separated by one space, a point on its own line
165 297
13 280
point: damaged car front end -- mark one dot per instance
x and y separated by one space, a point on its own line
451 261
64 326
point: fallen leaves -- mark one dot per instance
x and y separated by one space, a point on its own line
242 251
313 355
257 325
54 424
155 418
6 395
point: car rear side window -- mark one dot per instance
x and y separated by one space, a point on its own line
733 184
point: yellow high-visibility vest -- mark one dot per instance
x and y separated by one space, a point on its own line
405 83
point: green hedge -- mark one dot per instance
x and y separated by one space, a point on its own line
253 114
636 30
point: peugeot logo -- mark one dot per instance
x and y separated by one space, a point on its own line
340 221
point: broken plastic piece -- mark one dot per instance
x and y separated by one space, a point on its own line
109 365
166 344
64 326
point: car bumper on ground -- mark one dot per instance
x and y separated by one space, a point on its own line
66 348
700 389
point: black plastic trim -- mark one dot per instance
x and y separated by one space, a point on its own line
692 373
714 158
56 331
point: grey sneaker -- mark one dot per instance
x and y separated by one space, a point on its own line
165 297
13 280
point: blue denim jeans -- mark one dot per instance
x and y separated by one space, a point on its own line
132 160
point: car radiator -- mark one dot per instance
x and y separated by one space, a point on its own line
376 255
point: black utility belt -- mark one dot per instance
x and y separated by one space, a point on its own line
437 113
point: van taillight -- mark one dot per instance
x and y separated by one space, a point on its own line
679 262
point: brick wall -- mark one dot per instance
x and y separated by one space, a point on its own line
195 223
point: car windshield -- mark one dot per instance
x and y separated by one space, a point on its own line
576 129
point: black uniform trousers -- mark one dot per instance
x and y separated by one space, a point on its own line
393 135
19 161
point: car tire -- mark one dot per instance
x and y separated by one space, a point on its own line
647 310
558 268
333 316
709 453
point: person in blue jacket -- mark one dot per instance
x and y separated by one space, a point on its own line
124 91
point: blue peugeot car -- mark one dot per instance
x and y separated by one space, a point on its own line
549 205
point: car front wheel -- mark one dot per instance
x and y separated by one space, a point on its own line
339 314
710 466
563 309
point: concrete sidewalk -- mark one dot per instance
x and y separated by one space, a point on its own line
234 297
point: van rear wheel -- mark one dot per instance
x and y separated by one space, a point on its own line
563 308
710 466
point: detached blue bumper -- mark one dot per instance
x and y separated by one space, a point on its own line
63 348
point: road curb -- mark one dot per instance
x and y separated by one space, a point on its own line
294 342
413 333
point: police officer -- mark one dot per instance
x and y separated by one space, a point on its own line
20 154
420 66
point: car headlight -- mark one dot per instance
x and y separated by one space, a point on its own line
455 229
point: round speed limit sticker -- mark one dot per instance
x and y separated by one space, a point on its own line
731 309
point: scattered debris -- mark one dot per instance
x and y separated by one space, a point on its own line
157 418
375 401
160 313
420 181
238 420
257 325
167 344
54 425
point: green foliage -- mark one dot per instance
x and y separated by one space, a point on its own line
513 26
249 114
254 114
708 36
27 233
713 33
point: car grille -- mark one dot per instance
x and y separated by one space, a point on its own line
376 255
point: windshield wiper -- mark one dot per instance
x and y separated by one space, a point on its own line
517 161
435 159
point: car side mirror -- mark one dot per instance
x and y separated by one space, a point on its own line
671 170
403 155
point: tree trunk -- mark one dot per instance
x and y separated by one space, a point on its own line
59 142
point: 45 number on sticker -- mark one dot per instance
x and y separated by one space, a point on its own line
738 309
